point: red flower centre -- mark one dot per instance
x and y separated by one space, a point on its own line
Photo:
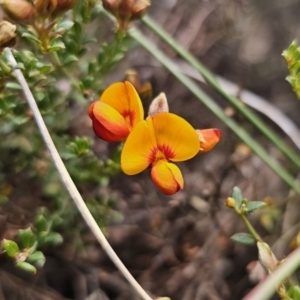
161 152
129 116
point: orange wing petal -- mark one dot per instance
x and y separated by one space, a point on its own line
108 124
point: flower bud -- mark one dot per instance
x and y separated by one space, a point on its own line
139 9
18 10
144 90
111 6
132 9
126 11
209 138
63 6
266 257
45 7
133 77
230 202
159 105
8 36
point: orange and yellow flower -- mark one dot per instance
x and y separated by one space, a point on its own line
117 112
155 143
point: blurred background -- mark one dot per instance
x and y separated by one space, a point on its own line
177 246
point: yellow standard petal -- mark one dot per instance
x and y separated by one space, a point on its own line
167 177
136 153
123 97
175 137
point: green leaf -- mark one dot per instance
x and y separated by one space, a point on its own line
56 46
88 81
292 57
70 59
19 65
13 85
41 223
27 238
88 39
10 247
243 238
296 65
77 28
53 238
96 10
104 180
237 196
42 237
39 96
37 258
19 120
118 57
43 68
294 292
31 37
25 266
253 205
82 51
65 25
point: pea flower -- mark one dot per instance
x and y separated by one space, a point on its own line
117 112
157 142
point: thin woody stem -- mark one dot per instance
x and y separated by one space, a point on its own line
68 182
250 228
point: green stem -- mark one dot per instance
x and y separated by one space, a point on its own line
250 228
210 78
216 109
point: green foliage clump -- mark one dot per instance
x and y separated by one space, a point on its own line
54 57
